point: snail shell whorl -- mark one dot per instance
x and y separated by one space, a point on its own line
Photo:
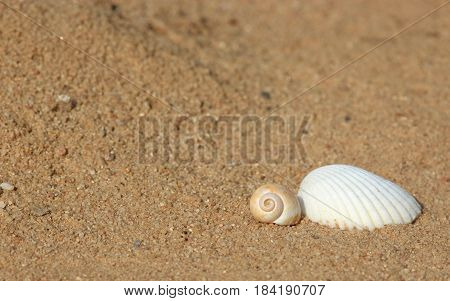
272 203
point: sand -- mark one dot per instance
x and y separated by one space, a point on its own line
85 208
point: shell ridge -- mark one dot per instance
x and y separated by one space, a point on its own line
362 210
392 189
405 200
387 199
410 200
322 201
343 203
375 195
339 196
364 181
331 177
388 188
363 189
416 205
344 198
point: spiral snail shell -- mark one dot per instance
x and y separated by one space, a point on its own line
272 203
343 196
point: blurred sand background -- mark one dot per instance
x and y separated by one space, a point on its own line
85 209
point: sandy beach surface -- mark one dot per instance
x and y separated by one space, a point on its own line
85 207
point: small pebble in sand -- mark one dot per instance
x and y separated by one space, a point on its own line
61 151
63 98
103 132
266 94
40 211
111 156
2 205
137 243
347 118
65 103
7 186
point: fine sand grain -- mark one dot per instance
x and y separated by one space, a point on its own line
84 208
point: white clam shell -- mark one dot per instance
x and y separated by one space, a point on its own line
350 197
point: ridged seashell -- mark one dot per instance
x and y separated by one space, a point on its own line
272 203
350 197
